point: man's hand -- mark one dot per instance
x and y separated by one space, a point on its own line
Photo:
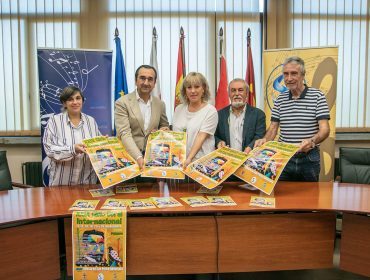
221 144
80 148
165 128
140 162
247 150
306 145
259 142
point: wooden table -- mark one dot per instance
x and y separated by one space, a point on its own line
298 234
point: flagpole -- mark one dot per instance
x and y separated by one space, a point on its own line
182 38
221 36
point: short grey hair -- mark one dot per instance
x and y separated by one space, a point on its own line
296 60
194 78
238 80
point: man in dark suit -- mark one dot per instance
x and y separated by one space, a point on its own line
239 125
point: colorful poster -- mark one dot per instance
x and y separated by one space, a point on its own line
165 154
130 188
260 201
138 204
217 200
81 204
110 160
321 72
264 165
196 201
214 168
165 202
99 244
101 192
113 203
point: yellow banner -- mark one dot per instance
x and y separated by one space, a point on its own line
321 72
99 244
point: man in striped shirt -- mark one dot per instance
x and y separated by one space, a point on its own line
302 113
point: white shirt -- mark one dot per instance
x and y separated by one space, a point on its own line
205 120
60 135
236 123
145 109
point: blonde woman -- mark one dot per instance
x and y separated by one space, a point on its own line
195 116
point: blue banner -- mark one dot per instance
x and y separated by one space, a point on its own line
91 71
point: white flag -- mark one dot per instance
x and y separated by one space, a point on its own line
153 62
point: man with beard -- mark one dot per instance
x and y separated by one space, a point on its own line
239 125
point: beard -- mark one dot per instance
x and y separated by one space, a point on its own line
237 104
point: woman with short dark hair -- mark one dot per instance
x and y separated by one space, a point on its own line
69 164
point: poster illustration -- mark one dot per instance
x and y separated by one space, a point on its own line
165 154
110 160
264 165
214 168
99 244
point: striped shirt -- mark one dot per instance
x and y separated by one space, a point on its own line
298 118
66 167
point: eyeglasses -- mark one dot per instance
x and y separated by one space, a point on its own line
149 79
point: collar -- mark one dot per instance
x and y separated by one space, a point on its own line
139 98
82 120
302 96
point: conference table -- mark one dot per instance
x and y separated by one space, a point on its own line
298 233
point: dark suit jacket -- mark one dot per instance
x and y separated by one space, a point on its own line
254 126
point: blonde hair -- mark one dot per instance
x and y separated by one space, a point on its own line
194 78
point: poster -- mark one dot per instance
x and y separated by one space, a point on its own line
165 154
110 160
214 168
321 72
264 165
99 244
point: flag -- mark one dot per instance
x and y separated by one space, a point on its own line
222 96
120 80
249 76
153 62
180 67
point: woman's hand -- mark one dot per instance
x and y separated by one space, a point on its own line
80 148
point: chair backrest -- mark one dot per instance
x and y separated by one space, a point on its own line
354 165
5 177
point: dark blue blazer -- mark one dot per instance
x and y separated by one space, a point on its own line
254 126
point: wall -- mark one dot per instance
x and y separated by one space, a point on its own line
17 154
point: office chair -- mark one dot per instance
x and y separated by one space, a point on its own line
354 165
5 177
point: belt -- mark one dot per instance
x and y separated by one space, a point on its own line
303 154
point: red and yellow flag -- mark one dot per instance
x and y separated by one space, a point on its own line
249 76
180 68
